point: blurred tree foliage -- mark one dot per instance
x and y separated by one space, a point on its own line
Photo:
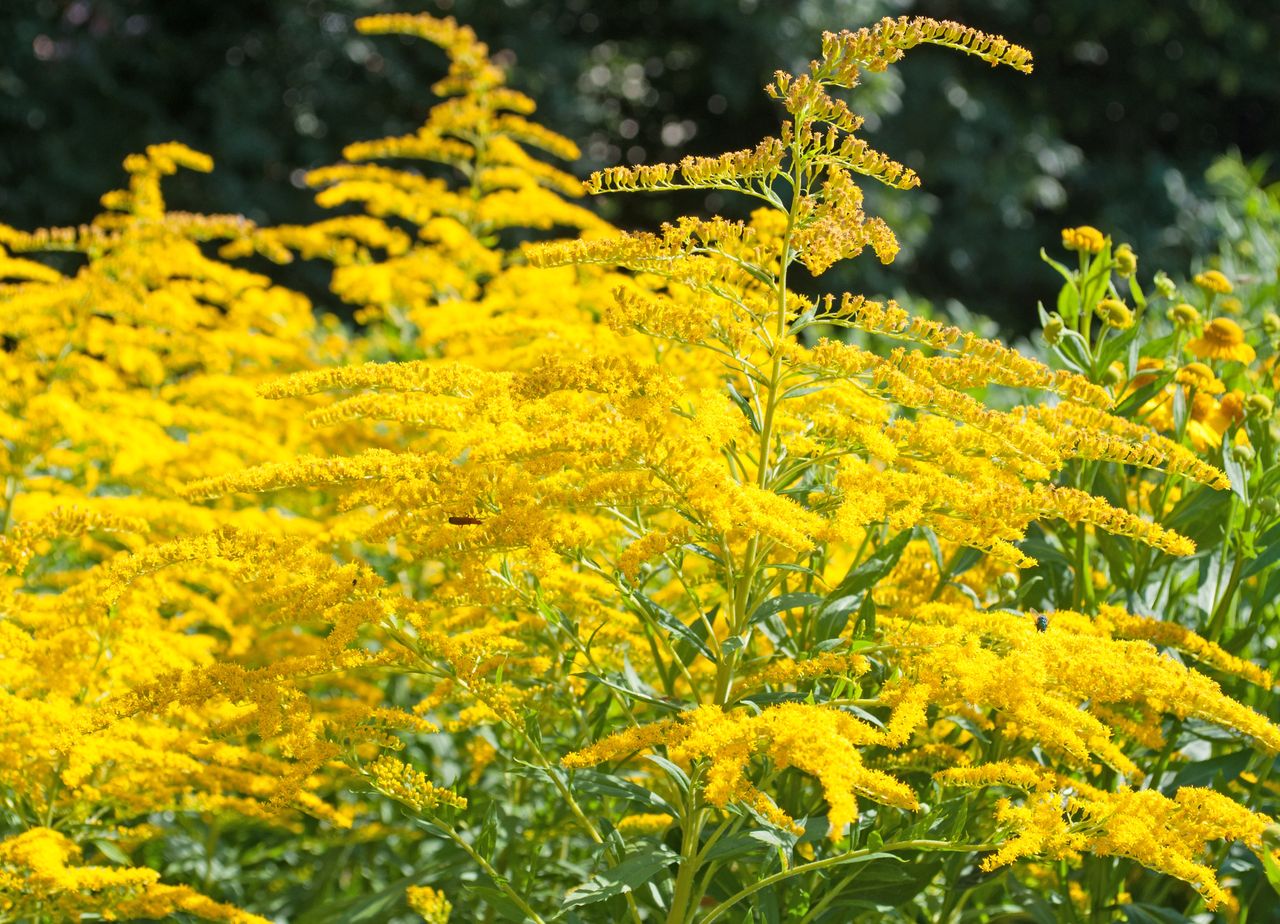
1129 105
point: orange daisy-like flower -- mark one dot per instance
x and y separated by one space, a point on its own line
1210 418
1222 339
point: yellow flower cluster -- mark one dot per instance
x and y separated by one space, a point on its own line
403 783
570 505
430 903
819 741
40 875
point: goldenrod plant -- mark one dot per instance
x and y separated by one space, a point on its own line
611 575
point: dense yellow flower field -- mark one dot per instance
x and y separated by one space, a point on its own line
605 575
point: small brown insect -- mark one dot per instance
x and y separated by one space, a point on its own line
465 521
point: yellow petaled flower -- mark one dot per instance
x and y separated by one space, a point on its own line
1115 313
1210 418
1213 281
1200 377
1222 338
430 903
1085 239
1184 315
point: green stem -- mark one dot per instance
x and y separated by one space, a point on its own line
691 822
1218 621
742 587
492 873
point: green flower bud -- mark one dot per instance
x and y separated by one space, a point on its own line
1126 261
1053 330
1242 453
1258 406
1165 285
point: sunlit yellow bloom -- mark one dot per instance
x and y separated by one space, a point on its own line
40 874
430 903
1086 239
1213 281
640 825
1222 339
1200 377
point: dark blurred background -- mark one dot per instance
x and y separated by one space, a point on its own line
1129 104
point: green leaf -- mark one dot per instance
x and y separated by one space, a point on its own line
498 901
1236 471
1271 868
865 627
1200 516
667 620
1207 772
673 772
703 551
784 602
1143 913
765 906
487 839
532 730
1138 398
736 845
745 406
892 884
701 627
1268 557
111 850
635 870
616 682
1073 350
789 566
375 907
833 614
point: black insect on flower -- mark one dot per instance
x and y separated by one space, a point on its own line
1042 622
465 521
